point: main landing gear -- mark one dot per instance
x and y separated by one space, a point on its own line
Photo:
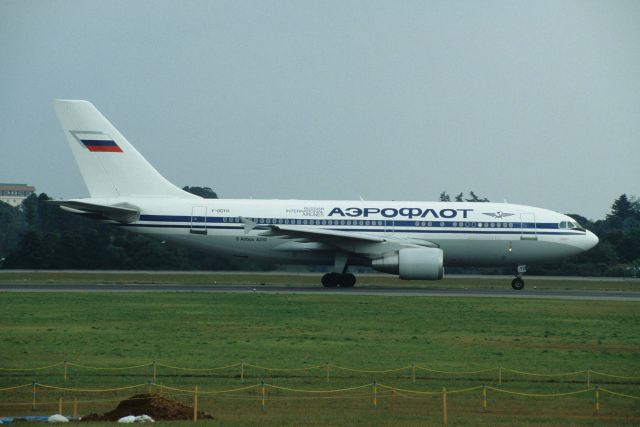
343 279
332 280
518 283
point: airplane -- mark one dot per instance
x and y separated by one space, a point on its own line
414 240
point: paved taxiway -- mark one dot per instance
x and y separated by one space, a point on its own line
382 291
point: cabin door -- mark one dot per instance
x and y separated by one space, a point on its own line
198 220
528 227
389 225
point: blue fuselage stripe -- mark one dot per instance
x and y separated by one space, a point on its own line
368 226
352 222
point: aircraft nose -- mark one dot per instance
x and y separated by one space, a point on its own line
590 241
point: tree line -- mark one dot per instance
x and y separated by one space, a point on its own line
38 235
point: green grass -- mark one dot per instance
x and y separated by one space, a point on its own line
364 332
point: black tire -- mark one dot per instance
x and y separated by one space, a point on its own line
330 280
517 284
347 280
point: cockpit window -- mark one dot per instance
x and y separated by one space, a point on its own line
572 225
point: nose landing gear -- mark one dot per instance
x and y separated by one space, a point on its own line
518 283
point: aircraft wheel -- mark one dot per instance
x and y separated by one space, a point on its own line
517 284
330 280
347 280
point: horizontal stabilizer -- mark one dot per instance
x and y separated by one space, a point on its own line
121 212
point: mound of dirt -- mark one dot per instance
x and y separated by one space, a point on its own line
157 407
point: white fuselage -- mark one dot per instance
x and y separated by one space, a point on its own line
470 234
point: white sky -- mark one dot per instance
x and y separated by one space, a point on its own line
533 102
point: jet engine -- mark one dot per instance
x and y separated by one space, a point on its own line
412 263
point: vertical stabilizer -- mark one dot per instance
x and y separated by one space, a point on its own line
109 164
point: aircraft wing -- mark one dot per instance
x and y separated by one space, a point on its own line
316 234
352 242
121 212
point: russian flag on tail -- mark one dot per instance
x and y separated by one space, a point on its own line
102 146
97 142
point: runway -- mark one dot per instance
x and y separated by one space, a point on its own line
312 290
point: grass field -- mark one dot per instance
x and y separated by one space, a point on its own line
202 330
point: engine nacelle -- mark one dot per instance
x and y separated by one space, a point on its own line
413 263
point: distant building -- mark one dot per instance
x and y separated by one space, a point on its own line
14 194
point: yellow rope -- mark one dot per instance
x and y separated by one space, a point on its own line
614 376
619 394
91 390
77 365
371 371
16 387
456 372
231 390
190 391
284 369
317 391
342 396
464 390
165 387
565 374
404 390
539 394
218 368
32 369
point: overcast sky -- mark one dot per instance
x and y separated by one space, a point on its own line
532 102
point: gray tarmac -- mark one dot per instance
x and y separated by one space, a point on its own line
310 290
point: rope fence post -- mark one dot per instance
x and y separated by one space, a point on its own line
195 404
327 371
60 405
484 397
499 374
375 394
393 400
242 372
264 394
413 374
33 397
149 389
75 406
65 370
588 377
444 406
155 371
597 390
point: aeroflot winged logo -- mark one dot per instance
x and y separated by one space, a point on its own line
498 215
96 141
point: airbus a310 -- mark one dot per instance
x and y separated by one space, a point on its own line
413 240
